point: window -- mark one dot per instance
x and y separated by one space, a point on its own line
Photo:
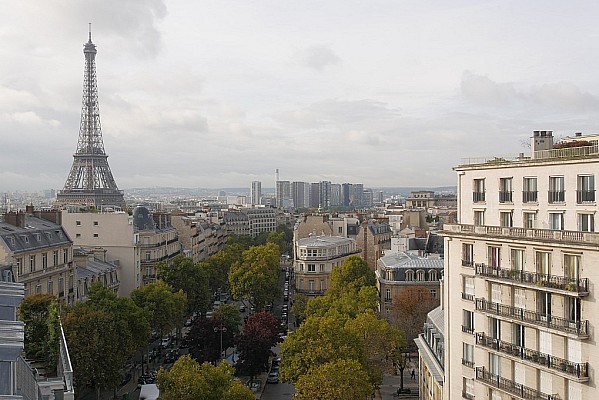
468 321
543 262
518 335
95 235
65 256
529 218
432 275
573 308
311 267
505 219
420 275
55 257
479 217
519 298
571 265
434 293
19 262
556 221
586 189
495 328
496 293
505 190
467 254
586 222
311 285
556 189
495 364
468 288
44 260
61 286
31 263
529 190
77 235
321 267
95 223
478 193
409 275
387 295
78 223
495 257
544 303
468 354
517 259
50 287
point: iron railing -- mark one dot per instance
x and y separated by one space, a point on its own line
467 296
505 196
512 387
578 328
530 196
468 363
556 196
468 329
578 370
585 196
478 197
580 285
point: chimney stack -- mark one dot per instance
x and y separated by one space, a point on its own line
541 140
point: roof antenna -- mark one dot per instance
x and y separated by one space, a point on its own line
90 31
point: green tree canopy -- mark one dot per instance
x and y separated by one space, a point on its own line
192 279
165 307
317 341
256 277
353 274
39 312
188 380
345 303
336 380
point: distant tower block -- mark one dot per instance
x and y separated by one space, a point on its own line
90 182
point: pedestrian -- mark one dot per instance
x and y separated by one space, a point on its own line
413 374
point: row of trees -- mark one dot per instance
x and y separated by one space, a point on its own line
341 349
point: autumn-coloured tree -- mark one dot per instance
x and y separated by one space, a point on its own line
188 380
259 334
256 277
409 309
340 379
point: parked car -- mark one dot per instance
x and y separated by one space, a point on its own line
187 323
273 377
242 308
166 341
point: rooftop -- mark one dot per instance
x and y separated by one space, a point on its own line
323 241
409 261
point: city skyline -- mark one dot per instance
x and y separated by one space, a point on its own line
201 94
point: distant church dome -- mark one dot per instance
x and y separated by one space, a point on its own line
142 219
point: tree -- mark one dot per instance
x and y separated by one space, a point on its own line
192 279
347 303
188 380
380 340
409 309
256 277
336 380
317 341
203 340
39 312
259 334
165 307
103 333
300 302
353 274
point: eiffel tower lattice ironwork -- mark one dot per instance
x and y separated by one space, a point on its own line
90 182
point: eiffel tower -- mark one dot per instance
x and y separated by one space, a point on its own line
90 182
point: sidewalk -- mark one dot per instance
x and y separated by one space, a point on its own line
388 389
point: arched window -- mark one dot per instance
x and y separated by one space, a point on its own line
432 275
387 294
409 275
420 275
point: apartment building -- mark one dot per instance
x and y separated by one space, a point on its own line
251 221
315 258
40 253
524 256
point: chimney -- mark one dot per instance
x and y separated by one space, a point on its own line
578 134
15 219
541 140
29 209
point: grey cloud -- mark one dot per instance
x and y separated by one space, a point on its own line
318 57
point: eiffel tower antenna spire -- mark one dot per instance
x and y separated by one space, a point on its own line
90 182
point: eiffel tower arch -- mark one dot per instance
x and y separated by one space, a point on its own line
90 182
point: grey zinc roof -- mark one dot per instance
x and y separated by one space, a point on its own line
323 241
94 268
37 234
142 219
410 261
437 319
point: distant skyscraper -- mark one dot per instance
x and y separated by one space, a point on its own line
255 192
325 194
283 194
335 194
90 181
300 193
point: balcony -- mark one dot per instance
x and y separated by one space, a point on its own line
468 363
579 329
310 292
478 197
556 196
530 196
466 296
578 371
505 196
468 263
585 196
579 287
522 233
468 329
467 395
511 387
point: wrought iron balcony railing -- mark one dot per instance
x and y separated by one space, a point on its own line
585 196
578 328
556 196
468 263
579 286
529 196
577 370
505 196
478 197
468 363
467 296
512 387
468 329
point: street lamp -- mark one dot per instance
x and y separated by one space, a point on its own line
221 329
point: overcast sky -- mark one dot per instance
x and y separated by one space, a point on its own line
220 93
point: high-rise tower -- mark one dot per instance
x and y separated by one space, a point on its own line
90 181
